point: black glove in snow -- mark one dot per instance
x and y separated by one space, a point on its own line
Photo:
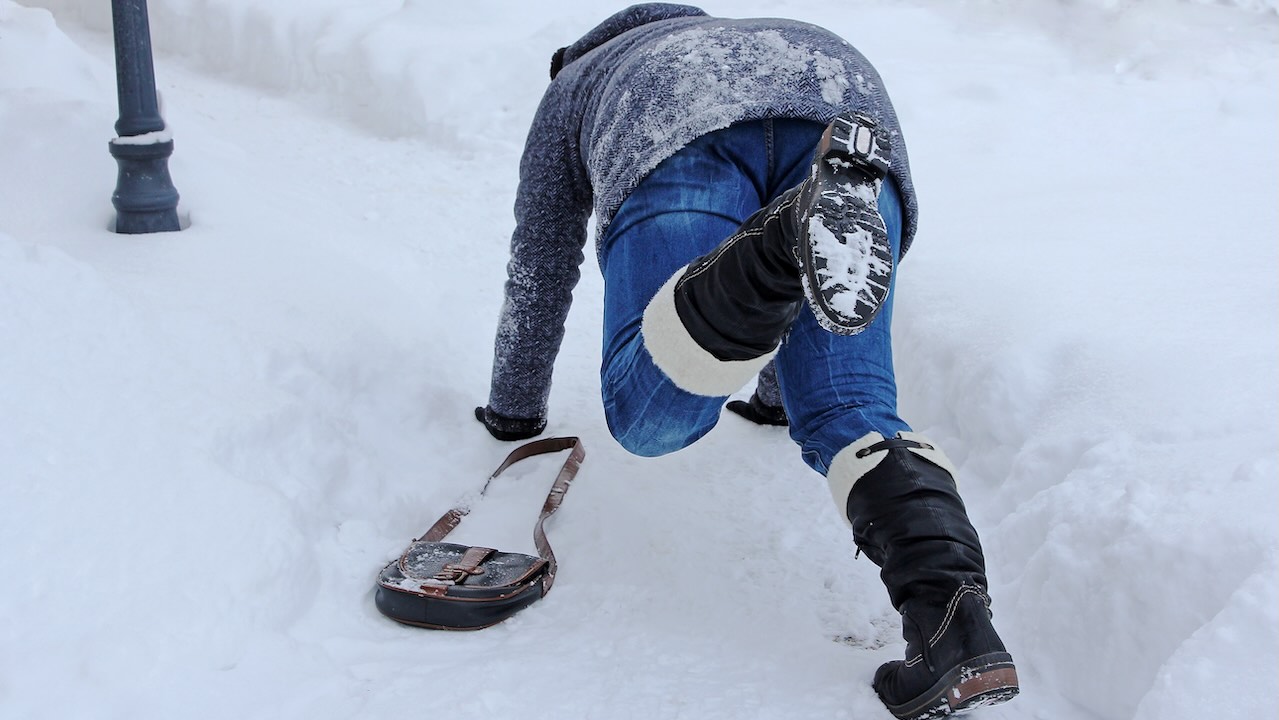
759 413
507 429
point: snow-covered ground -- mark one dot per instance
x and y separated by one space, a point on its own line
211 441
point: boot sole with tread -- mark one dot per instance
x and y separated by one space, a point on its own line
845 255
980 682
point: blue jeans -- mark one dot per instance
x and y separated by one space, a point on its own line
835 389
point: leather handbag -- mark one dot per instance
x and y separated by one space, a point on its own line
446 586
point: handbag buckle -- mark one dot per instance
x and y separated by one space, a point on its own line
457 573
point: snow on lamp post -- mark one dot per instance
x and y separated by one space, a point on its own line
145 199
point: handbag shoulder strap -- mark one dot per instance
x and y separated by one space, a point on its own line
568 471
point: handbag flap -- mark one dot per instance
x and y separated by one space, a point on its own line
446 565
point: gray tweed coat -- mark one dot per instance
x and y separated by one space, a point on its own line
627 95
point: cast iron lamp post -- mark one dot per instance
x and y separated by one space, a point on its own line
145 199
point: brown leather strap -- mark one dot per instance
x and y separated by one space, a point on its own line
453 518
445 524
468 565
553 500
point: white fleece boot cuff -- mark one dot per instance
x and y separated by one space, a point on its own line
686 363
847 468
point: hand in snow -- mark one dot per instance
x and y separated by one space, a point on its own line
759 413
507 428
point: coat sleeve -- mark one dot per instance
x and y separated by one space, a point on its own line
552 207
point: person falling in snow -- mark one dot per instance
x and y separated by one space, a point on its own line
752 198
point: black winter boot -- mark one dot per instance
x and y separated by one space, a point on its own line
954 660
738 300
908 518
716 322
714 325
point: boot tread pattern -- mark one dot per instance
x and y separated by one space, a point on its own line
846 256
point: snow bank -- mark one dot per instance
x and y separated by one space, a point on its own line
32 33
1102 384
397 68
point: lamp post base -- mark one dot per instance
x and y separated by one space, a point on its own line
145 199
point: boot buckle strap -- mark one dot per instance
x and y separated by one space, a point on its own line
893 444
